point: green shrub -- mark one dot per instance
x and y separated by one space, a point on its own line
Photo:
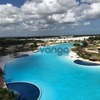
6 94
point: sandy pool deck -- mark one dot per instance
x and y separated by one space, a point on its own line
5 59
74 57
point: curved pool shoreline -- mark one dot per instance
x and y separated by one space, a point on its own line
16 86
86 63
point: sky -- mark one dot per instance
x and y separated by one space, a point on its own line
49 17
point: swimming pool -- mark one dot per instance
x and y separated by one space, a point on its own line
58 77
25 91
86 63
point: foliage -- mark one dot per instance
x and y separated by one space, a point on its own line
19 44
6 94
84 44
1 72
99 50
73 49
94 38
76 44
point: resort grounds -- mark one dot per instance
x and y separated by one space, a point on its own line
85 48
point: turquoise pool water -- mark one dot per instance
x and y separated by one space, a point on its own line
58 77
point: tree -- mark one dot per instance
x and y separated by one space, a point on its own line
99 50
1 73
84 44
6 94
35 44
76 44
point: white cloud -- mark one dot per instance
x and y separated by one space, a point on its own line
39 14
86 23
92 12
68 17
9 14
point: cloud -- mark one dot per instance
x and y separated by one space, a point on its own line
86 23
9 15
41 14
68 17
93 12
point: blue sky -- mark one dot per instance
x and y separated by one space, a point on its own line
49 17
17 3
